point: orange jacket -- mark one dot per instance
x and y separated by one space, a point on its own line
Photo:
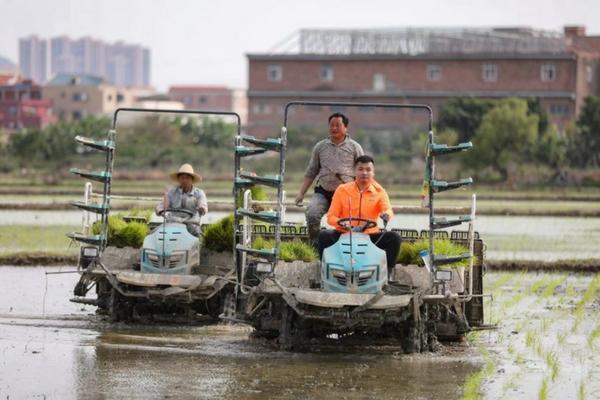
349 201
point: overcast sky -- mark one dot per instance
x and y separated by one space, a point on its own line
205 42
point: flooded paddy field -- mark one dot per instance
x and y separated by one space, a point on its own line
545 346
55 349
507 238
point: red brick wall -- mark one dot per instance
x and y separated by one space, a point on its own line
406 82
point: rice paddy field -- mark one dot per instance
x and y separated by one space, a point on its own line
546 341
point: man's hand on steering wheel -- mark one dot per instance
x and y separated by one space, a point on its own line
344 223
182 210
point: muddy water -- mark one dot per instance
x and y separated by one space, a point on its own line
51 348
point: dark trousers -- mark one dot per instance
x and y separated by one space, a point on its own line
389 242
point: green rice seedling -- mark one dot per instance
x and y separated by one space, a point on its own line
537 285
543 393
581 391
123 234
551 288
554 364
544 325
519 359
561 338
502 280
593 336
289 250
514 300
301 251
409 252
530 339
472 386
132 235
218 236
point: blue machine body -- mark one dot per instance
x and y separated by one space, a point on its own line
354 265
170 249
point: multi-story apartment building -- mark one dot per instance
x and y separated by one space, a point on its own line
33 57
9 72
22 106
423 66
75 96
211 98
118 63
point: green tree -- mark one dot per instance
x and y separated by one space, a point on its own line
463 115
584 143
505 137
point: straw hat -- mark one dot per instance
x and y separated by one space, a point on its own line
188 170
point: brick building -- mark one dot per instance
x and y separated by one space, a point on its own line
22 106
211 98
423 66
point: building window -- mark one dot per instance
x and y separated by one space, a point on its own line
109 97
589 73
434 72
379 82
77 115
490 72
548 72
202 99
12 111
80 97
261 108
274 73
120 97
326 73
559 109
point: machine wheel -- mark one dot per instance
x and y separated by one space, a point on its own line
120 308
214 306
292 336
415 335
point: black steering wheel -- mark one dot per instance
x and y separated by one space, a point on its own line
366 224
182 210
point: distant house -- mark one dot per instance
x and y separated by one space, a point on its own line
75 96
423 65
22 106
211 98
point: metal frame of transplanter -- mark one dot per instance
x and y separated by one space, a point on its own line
433 186
105 176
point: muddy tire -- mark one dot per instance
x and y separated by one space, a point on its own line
119 307
214 307
292 336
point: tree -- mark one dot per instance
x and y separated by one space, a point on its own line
505 137
584 143
463 115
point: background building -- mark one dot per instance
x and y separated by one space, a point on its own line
75 96
118 63
22 106
33 58
423 66
9 72
211 98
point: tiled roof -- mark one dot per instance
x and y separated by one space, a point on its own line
75 79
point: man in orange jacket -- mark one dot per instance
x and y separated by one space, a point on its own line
362 198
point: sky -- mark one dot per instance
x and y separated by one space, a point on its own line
206 41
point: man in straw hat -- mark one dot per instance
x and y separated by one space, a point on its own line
185 197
